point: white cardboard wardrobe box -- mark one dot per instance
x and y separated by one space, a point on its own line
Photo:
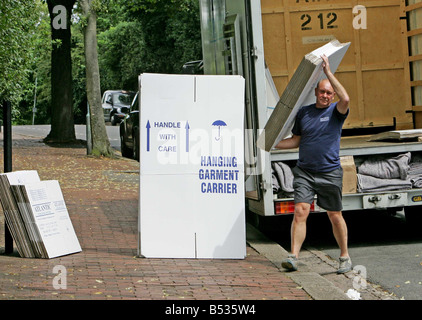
191 167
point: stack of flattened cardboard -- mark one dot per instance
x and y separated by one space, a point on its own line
300 92
399 135
36 215
13 218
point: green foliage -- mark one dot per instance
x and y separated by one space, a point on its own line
134 36
120 56
148 36
40 71
152 6
18 18
78 71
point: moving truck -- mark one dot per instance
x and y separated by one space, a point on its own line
265 40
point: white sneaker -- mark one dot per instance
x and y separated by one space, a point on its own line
290 263
345 265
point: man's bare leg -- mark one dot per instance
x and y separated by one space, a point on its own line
298 235
298 228
339 231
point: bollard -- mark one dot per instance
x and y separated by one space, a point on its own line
88 132
7 145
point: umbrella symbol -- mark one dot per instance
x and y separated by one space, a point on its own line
219 124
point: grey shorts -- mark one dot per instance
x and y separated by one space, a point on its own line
326 185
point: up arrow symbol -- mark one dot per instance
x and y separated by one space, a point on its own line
187 136
148 134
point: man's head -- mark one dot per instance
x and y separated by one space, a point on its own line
324 93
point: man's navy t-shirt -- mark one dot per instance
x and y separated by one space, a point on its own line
320 131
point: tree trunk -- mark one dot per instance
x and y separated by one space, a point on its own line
62 123
100 141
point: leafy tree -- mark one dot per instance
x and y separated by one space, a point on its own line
38 81
100 142
134 36
171 31
80 102
122 56
150 36
17 20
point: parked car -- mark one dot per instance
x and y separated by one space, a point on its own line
129 131
116 104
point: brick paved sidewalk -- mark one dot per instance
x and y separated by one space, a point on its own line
102 200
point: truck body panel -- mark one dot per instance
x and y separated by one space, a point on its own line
264 42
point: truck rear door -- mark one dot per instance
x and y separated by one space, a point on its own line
232 43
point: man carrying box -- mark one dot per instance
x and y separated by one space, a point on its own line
317 133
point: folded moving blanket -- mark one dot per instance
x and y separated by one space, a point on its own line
371 184
415 173
416 180
390 168
282 177
415 168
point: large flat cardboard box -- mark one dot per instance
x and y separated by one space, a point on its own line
299 92
349 174
36 214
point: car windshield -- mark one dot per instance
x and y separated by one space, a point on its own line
122 98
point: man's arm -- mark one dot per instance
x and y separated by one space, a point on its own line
343 103
289 143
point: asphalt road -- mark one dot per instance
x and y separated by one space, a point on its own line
389 251
381 245
41 131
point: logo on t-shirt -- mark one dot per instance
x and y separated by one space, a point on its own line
325 119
